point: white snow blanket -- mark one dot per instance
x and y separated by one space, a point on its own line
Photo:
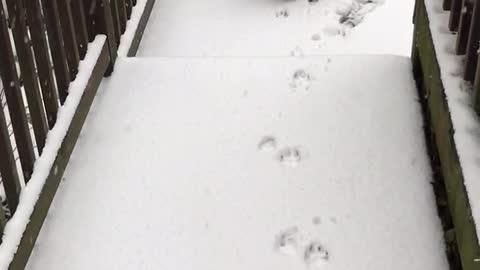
254 163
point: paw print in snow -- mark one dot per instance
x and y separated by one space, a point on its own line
316 255
301 80
267 143
282 13
290 156
286 242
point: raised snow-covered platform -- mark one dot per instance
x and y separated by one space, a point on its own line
185 164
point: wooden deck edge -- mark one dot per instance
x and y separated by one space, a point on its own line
47 194
426 69
141 28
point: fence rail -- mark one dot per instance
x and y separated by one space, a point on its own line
41 45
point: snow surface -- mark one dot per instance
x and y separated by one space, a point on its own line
460 98
278 28
16 225
225 163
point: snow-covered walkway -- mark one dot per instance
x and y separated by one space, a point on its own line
228 145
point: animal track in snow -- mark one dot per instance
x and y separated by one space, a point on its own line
282 13
353 14
301 80
315 255
290 156
268 143
287 241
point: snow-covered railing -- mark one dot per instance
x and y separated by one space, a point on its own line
445 65
465 21
42 46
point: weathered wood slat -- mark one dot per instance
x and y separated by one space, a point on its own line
3 220
104 25
69 37
42 55
473 44
129 7
122 14
476 89
116 20
447 4
14 98
141 28
464 27
89 7
29 74
455 11
79 20
8 168
59 55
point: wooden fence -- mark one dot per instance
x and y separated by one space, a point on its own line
461 237
465 21
41 45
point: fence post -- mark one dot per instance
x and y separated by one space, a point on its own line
455 10
464 27
104 25
14 97
472 44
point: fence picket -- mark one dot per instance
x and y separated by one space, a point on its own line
42 55
78 15
69 38
29 74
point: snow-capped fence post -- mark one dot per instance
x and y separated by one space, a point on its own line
103 24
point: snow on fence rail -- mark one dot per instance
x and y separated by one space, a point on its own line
464 20
41 45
